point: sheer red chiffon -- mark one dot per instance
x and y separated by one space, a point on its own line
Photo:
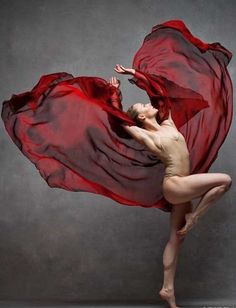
70 127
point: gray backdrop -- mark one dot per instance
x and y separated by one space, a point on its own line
73 246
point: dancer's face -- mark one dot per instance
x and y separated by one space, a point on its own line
145 110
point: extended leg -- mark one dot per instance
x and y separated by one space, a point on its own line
171 251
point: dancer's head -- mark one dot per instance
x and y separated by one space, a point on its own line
141 112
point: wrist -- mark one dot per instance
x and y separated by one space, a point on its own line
138 74
115 91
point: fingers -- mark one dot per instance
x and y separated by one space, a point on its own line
119 68
114 81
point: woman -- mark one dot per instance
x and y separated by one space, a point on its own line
75 132
179 188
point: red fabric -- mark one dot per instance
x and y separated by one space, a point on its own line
68 127
197 84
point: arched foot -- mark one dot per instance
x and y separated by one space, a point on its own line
191 220
168 295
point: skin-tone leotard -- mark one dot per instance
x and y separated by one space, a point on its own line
173 152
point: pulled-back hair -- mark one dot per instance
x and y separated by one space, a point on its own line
133 114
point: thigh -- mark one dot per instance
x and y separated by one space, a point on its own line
179 189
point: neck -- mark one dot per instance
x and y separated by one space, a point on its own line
151 125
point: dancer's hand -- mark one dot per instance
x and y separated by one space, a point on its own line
122 70
114 82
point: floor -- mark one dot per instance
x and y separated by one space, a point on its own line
49 304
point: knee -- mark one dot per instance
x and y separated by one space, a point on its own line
227 182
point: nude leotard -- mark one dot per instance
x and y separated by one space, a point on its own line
174 153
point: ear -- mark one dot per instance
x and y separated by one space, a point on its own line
141 117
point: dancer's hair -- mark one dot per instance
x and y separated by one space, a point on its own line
133 114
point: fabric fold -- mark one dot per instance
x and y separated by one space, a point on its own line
69 129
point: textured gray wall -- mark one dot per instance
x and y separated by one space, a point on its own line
64 245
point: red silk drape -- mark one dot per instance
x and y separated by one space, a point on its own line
68 128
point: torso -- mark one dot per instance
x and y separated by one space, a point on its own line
171 148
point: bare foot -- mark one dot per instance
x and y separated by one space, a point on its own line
168 295
191 220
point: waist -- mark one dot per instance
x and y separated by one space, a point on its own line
179 170
168 174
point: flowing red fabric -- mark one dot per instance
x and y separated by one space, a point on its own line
68 127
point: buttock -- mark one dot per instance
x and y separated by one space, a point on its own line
169 181
173 187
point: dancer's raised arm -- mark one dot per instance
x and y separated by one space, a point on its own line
136 132
131 71
149 82
116 96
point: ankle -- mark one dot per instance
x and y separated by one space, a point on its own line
196 216
168 288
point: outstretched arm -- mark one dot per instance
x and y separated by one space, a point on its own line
131 71
146 81
116 99
116 96
137 74
150 83
136 132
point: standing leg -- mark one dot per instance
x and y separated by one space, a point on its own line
171 251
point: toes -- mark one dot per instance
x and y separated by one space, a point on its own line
183 230
180 234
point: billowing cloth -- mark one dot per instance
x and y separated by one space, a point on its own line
190 69
68 127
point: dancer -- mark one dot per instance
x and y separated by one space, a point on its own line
156 155
178 186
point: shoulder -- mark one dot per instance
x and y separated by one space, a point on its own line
152 140
168 122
